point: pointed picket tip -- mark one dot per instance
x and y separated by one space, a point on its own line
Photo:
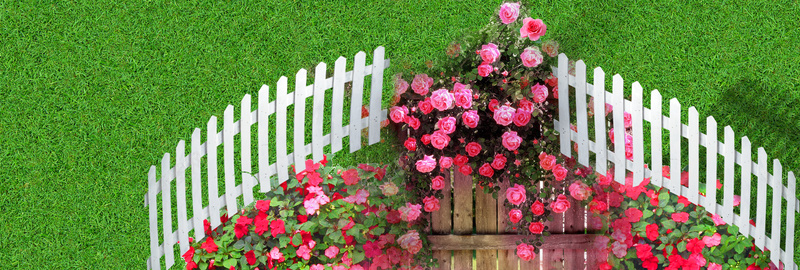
710 120
655 93
617 77
379 49
728 129
246 97
361 54
693 110
599 70
636 84
263 88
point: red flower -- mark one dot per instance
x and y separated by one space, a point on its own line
224 218
652 232
597 207
684 201
537 208
262 205
695 245
499 162
493 104
371 249
680 217
209 246
425 106
276 227
644 251
189 255
251 257
536 227
426 139
473 149
350 177
460 160
262 224
411 144
207 226
241 227
465 170
303 218
633 214
486 170
393 217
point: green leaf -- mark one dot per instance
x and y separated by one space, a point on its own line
681 246
733 229
663 199
239 245
669 209
646 214
669 224
739 247
358 257
297 239
229 262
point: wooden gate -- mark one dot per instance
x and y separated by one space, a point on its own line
464 232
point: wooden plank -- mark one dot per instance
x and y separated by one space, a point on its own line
638 134
485 223
299 149
280 131
356 101
761 205
710 202
507 259
213 191
263 139
777 191
441 222
552 257
197 187
319 110
534 263
166 210
788 255
600 130
744 207
730 161
245 124
655 139
338 104
619 129
674 183
180 192
376 95
580 102
155 262
574 220
230 177
563 104
694 160
508 241
462 217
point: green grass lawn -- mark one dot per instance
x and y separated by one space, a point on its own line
92 94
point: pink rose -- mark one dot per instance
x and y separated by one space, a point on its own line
484 70
548 163
536 227
532 29
411 144
559 172
465 169
446 162
425 106
499 162
486 170
521 117
410 241
504 115
442 99
426 164
409 212
628 119
561 204
489 53
540 93
511 141
470 118
580 191
550 47
473 149
526 105
531 57
537 208
398 114
516 194
331 251
437 183
421 84
463 98
412 122
525 252
509 12
400 86
515 215
431 204
439 139
447 124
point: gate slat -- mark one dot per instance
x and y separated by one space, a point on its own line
619 129
282 163
356 101
462 217
166 206
727 186
338 104
180 193
213 190
245 123
299 119
230 177
788 255
656 146
600 130
638 134
376 95
744 207
319 110
761 205
563 104
777 192
553 258
442 222
155 260
694 159
674 183
507 259
711 165
580 106
485 223
574 224
197 187
263 139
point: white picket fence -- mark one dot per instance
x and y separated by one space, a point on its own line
243 127
677 129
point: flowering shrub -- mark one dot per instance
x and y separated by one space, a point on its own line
329 218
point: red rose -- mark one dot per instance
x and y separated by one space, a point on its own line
426 139
537 208
680 217
548 162
431 204
411 144
445 163
651 231
521 117
437 183
526 105
633 214
350 177
440 140
460 160
559 172
393 217
465 170
486 170
515 215
493 104
426 106
536 227
473 149
412 122
470 118
561 204
499 162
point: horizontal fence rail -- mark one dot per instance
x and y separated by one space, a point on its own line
677 131
162 182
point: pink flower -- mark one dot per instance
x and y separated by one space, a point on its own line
717 220
489 53
559 172
427 164
516 194
388 189
511 141
580 191
447 124
486 170
398 114
425 106
317 267
410 241
680 217
509 12
548 163
537 208
522 117
331 252
628 120
412 122
304 252
539 92
411 144
439 139
561 204
525 252
484 70
410 212
633 214
713 240
619 249
531 57
515 215
526 105
536 227
421 84
473 149
437 183
463 97
504 115
737 200
532 29
442 99
311 206
550 47
431 204
470 118
499 162
400 86
714 266
446 162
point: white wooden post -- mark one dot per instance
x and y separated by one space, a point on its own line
619 129
356 101
213 191
638 134
710 202
227 146
744 207
728 185
319 110
601 148
280 131
674 183
263 139
655 138
777 196
580 106
694 159
197 187
788 255
375 96
338 105
155 262
563 104
300 87
166 210
180 179
761 204
245 122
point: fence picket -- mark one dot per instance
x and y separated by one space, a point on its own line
674 183
166 206
462 216
580 102
375 96
227 147
710 202
441 221
563 104
319 110
601 148
356 101
213 191
299 149
245 122
280 130
638 134
619 129
655 139
728 185
485 223
180 193
694 160
777 192
263 139
788 255
338 104
507 259
761 204
744 207
154 262
197 187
